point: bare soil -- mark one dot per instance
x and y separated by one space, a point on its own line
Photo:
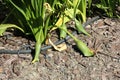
69 64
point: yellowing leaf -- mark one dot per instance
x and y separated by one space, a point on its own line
60 47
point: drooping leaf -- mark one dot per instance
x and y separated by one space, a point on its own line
83 48
4 27
80 28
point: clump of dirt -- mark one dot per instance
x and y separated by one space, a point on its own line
69 64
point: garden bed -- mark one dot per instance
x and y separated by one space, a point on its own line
17 50
69 64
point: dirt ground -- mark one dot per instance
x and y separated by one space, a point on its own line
69 64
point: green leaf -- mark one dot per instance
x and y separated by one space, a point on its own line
102 6
3 27
80 28
18 8
83 48
62 32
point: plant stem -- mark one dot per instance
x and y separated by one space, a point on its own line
68 33
37 52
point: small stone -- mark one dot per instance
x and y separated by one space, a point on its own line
50 55
1 69
48 64
88 26
75 71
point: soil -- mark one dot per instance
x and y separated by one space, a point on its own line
68 64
